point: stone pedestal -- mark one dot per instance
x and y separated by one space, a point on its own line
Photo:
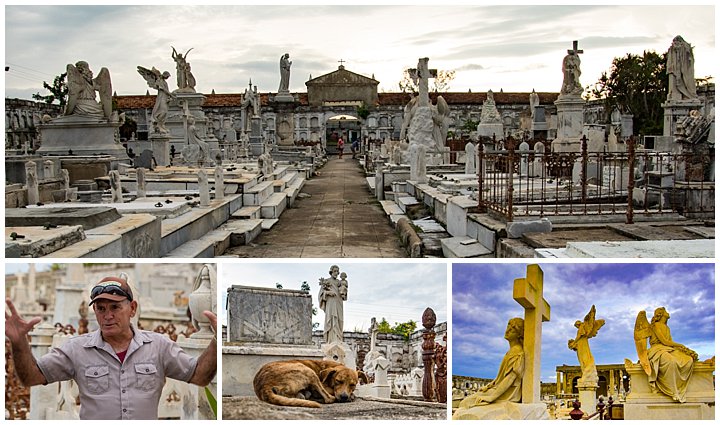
160 146
643 403
42 396
194 402
82 136
490 129
588 398
504 411
569 123
674 111
178 108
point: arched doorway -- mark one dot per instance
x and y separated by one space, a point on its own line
602 386
342 125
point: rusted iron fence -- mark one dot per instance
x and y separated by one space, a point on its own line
529 183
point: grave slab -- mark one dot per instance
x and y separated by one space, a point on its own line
39 241
463 247
699 248
139 233
89 218
94 246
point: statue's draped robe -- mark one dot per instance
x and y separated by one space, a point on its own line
506 386
670 367
332 305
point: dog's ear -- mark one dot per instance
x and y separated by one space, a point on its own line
327 375
362 377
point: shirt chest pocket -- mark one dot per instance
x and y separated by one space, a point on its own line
147 376
97 379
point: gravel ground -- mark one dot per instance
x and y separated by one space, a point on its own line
248 408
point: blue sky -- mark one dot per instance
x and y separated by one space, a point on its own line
511 47
482 305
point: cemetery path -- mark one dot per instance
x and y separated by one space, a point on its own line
340 218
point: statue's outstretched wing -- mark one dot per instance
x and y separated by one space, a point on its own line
642 332
74 82
151 76
442 106
592 325
104 88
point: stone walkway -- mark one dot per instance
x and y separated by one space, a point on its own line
341 218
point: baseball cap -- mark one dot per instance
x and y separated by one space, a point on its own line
111 288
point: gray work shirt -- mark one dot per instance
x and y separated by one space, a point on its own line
113 390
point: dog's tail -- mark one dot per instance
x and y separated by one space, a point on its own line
268 395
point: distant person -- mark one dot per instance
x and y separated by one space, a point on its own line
340 147
355 147
120 370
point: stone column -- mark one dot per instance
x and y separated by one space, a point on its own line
69 295
558 383
204 188
42 396
141 188
31 180
219 182
194 401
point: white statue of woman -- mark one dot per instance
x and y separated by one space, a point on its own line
681 70
285 64
333 292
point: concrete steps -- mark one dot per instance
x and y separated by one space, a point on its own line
294 189
274 205
210 245
257 194
247 213
464 247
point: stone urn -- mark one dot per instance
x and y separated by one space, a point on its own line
200 300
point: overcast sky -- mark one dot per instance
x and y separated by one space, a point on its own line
483 303
510 47
396 291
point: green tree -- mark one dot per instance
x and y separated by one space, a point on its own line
58 91
441 83
363 111
638 85
403 329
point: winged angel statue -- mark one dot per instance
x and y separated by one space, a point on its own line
81 91
586 329
667 363
158 81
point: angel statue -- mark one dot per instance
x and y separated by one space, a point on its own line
667 363
81 91
185 78
158 81
586 329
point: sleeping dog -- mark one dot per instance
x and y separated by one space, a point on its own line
306 383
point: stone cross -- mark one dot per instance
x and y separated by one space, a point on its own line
373 334
575 50
421 75
341 62
528 292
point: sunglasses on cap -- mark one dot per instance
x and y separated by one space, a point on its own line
109 288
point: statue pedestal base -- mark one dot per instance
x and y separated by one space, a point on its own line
81 135
339 352
676 110
643 403
160 146
569 123
504 410
588 398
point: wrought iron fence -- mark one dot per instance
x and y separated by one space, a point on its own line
524 183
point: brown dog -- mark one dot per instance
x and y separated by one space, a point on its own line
305 382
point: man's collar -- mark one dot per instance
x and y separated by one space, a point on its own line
96 340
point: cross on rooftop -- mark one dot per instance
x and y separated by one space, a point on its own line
341 62
575 50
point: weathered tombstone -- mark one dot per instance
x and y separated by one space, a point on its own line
31 180
536 168
144 160
490 119
204 188
141 186
219 182
470 158
115 187
418 167
48 170
524 158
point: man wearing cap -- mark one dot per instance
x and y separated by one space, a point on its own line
120 370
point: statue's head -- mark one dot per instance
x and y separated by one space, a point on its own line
166 74
334 270
515 329
660 312
578 324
